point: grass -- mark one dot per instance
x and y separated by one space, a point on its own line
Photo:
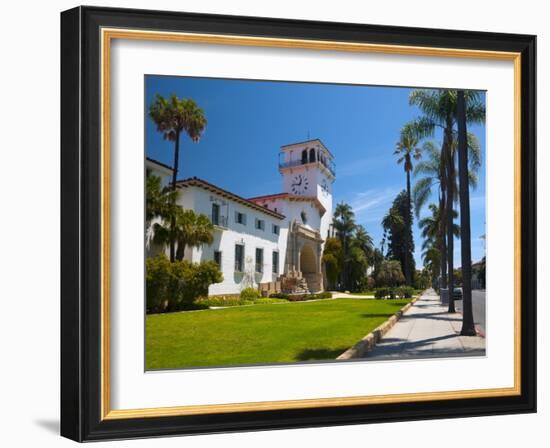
287 332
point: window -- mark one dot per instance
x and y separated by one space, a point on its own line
311 155
259 260
216 214
275 262
304 217
240 218
239 257
260 224
218 257
304 156
275 229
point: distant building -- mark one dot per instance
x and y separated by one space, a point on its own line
274 242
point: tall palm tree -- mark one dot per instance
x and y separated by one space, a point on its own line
468 328
174 116
439 112
344 224
428 170
363 240
407 149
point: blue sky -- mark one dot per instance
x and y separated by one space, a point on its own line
248 122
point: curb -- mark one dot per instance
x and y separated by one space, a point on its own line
368 343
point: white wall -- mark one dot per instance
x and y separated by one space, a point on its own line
29 322
200 201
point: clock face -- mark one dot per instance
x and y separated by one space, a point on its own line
299 184
325 187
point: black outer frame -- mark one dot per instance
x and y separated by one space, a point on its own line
81 224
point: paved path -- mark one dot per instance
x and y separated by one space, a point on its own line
425 331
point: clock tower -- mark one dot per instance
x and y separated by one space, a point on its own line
308 172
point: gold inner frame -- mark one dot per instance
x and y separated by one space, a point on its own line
107 35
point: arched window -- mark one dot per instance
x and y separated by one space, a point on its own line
304 156
311 155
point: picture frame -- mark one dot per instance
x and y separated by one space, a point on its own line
86 36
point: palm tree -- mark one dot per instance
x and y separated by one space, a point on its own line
407 148
468 328
344 224
431 257
430 231
363 240
174 116
439 111
191 230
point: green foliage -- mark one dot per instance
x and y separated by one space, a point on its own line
159 282
191 230
384 292
347 257
250 294
400 292
174 115
390 274
233 300
333 256
405 292
279 295
399 235
159 202
305 297
366 284
176 286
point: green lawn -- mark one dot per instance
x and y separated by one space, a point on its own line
290 332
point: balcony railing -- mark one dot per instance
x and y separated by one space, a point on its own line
219 220
331 166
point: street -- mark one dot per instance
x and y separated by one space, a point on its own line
478 307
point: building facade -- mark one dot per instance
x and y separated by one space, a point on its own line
273 242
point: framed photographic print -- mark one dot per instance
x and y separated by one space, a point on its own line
274 223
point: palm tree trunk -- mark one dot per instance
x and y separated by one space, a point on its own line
409 231
443 226
449 213
468 327
174 177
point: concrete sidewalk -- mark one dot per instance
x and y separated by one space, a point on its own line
427 330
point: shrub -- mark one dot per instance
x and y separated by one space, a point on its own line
221 301
158 281
268 300
176 286
297 297
304 297
278 295
383 293
366 284
390 274
405 292
322 295
250 294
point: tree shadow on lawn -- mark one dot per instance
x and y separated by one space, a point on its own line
312 354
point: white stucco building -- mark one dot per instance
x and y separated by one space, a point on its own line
273 241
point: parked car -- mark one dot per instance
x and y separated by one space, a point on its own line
457 293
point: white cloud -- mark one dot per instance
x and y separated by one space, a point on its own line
371 205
